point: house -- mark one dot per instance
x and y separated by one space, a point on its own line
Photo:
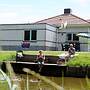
27 37
68 35
55 33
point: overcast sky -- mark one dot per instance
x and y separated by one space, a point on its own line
28 11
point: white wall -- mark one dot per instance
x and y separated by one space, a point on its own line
84 47
37 43
75 30
22 26
83 40
50 27
62 37
50 38
41 34
11 35
10 43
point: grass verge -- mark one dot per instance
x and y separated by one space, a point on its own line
82 59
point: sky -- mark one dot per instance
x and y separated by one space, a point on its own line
29 11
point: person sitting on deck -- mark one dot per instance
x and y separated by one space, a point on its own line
40 57
19 53
40 60
66 56
71 51
63 58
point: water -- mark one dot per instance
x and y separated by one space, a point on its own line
29 82
69 83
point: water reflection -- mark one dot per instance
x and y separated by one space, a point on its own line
69 83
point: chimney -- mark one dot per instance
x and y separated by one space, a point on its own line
67 11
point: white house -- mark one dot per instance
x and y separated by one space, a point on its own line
39 36
47 34
68 35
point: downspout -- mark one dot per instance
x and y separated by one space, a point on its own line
57 38
45 37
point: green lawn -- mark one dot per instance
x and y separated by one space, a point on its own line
53 53
7 55
82 59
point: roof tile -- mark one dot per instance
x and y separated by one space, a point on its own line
69 18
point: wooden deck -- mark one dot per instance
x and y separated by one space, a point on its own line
45 64
47 69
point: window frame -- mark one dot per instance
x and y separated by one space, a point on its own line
72 37
28 36
35 35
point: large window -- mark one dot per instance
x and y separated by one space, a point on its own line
30 35
72 37
26 35
69 36
33 35
75 38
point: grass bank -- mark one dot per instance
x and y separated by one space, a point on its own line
82 59
7 55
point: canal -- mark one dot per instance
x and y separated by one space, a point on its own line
68 83
33 81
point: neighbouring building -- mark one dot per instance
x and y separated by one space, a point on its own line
47 34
